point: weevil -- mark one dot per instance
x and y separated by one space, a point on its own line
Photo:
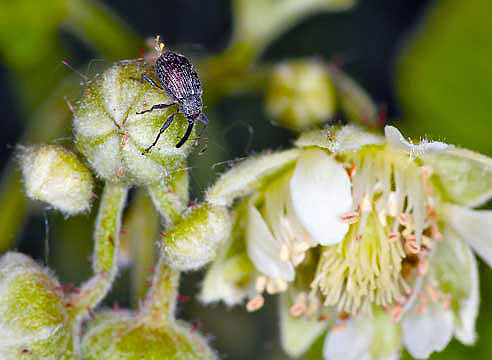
178 78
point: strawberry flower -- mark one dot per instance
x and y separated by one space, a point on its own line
367 238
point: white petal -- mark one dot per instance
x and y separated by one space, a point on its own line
395 138
426 332
474 226
297 334
321 192
215 287
350 343
465 327
264 249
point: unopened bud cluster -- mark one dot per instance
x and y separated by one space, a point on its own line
113 137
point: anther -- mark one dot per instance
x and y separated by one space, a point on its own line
338 327
120 172
351 169
343 315
350 218
297 309
411 247
124 139
393 236
255 303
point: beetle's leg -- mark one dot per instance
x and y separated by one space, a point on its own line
191 122
147 78
163 128
157 106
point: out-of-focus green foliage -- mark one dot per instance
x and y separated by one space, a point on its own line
31 49
445 75
444 82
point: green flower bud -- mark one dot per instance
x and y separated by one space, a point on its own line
33 319
113 137
55 175
119 335
194 241
301 94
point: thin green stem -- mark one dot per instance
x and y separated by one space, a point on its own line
105 255
160 302
141 232
171 199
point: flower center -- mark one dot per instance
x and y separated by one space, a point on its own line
392 227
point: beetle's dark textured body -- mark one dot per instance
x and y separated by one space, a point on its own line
182 85
180 81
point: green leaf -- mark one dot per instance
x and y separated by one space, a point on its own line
444 74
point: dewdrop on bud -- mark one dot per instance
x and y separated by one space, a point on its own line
119 335
301 95
56 176
113 137
194 241
33 318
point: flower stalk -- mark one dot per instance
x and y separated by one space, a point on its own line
105 255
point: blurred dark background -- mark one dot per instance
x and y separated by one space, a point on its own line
366 41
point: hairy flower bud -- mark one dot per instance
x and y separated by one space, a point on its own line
33 318
194 241
56 176
113 137
119 335
301 94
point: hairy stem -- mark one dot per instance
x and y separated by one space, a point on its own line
170 200
105 255
141 232
160 301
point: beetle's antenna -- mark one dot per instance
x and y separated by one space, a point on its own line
159 46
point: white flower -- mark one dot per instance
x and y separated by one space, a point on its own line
357 230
